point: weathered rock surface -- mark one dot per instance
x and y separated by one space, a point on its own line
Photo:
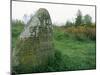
35 46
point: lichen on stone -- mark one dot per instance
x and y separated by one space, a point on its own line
35 45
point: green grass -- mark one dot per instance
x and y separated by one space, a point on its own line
71 54
76 54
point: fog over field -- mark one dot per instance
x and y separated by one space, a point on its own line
59 13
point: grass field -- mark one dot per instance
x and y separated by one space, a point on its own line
76 54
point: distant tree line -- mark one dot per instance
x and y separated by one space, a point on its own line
80 20
17 22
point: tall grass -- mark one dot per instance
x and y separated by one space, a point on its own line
82 32
76 54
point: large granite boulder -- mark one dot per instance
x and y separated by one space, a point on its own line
34 47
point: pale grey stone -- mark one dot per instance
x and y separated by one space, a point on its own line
35 45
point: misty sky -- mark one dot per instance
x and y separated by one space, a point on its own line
59 13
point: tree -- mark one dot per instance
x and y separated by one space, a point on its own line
17 23
69 23
78 20
87 19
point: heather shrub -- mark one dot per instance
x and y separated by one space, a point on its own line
91 33
82 32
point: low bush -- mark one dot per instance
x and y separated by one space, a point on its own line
82 32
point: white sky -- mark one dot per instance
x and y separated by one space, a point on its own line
59 13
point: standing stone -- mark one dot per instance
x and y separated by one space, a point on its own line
34 47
